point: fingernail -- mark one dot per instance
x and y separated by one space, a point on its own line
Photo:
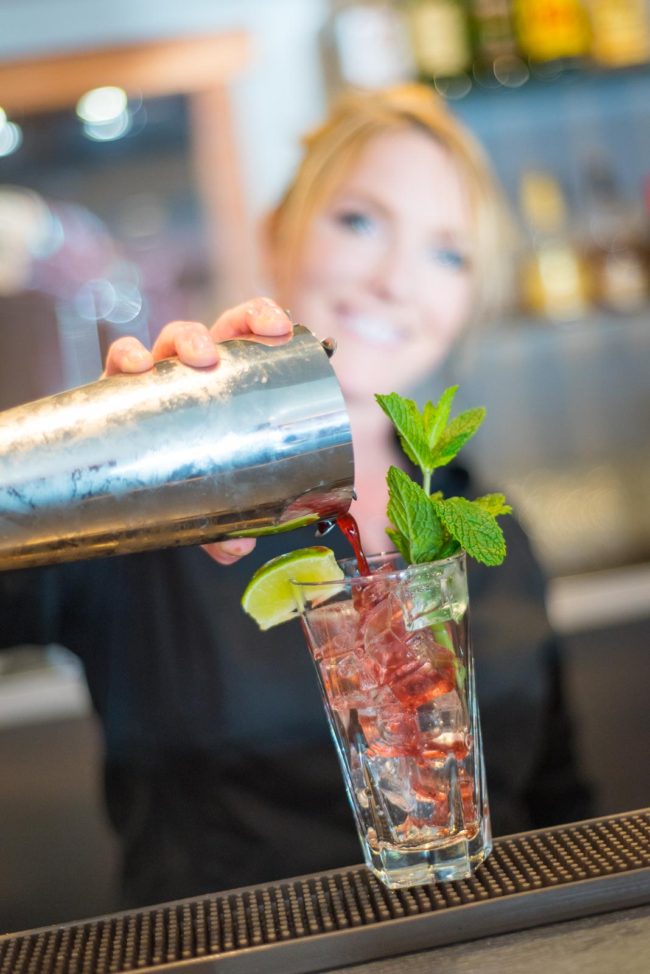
271 308
136 358
200 342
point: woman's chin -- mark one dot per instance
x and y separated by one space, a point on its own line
358 388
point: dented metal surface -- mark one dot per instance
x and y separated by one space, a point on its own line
176 455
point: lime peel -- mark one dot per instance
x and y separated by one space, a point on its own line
269 597
296 522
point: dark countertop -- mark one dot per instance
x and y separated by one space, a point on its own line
613 943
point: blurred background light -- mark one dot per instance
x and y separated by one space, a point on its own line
105 113
102 105
453 87
511 71
115 128
11 137
127 305
118 301
95 299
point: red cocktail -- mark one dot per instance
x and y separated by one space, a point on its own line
392 651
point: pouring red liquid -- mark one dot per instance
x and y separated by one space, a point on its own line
349 528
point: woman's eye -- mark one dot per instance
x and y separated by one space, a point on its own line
450 257
357 222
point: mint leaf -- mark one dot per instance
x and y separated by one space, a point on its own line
456 435
494 504
405 417
436 418
449 548
475 529
414 516
400 543
425 526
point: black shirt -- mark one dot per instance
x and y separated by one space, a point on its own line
219 767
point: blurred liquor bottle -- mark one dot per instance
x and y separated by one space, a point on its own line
553 272
620 32
614 246
440 41
555 32
646 223
365 44
496 56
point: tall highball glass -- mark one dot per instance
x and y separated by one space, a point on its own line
394 662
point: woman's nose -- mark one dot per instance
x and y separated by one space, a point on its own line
395 274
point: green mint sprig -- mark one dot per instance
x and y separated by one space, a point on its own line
426 526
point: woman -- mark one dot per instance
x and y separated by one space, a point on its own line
219 768
392 238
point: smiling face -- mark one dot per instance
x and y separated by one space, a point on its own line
386 265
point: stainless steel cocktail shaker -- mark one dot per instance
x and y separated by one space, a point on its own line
257 444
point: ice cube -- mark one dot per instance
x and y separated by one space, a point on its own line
384 618
426 670
430 782
372 592
443 725
390 729
454 591
384 638
391 785
421 599
446 714
332 629
429 600
347 681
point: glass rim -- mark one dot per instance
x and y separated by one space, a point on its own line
399 574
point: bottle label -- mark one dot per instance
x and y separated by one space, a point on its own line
440 40
372 47
623 284
493 28
551 29
621 32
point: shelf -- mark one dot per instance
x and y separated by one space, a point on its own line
567 79
545 329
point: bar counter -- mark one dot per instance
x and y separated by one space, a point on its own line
611 943
570 898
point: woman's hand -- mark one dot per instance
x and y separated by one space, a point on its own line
193 343
196 345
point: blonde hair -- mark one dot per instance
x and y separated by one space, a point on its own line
332 148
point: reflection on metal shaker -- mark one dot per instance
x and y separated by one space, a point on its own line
259 443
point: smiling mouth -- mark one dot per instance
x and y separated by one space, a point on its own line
378 331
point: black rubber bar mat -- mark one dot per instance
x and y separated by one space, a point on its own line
332 919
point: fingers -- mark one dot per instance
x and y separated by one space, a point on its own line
189 340
259 316
228 552
194 344
127 355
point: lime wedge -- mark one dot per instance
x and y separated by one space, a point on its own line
269 598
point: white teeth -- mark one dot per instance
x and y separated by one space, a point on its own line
373 330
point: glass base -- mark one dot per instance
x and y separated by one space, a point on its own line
399 867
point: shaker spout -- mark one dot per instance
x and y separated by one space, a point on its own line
329 345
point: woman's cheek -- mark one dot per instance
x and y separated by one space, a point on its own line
456 298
